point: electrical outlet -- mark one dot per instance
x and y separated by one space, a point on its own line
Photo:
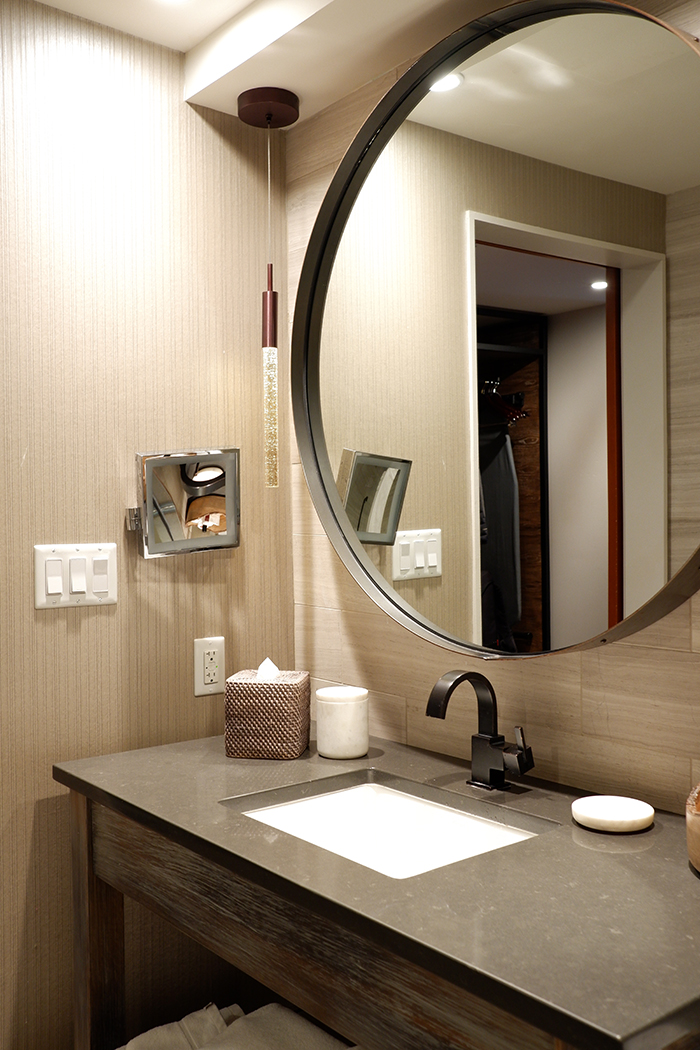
209 666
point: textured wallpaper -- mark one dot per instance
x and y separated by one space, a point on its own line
132 262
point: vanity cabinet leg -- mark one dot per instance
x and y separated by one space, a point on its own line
98 943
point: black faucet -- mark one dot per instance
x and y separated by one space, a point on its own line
492 757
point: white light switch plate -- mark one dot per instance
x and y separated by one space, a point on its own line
209 666
73 574
417 554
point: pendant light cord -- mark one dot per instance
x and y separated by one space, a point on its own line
269 193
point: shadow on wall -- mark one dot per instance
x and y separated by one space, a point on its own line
168 975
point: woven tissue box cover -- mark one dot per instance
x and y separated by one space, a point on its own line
267 719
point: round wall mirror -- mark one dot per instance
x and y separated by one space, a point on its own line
485 315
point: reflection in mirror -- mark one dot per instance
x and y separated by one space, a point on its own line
564 140
372 489
189 501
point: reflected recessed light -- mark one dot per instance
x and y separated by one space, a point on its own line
598 286
208 474
448 83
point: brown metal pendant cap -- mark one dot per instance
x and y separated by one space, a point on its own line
269 314
268 107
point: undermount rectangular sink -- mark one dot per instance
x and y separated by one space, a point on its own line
394 826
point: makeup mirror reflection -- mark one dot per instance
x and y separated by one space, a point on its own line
189 501
372 489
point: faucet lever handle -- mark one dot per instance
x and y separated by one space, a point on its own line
517 757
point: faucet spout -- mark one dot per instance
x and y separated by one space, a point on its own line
491 755
485 698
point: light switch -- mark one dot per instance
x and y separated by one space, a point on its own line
54 576
419 548
77 569
67 574
100 575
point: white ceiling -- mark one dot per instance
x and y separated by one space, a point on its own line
178 25
320 49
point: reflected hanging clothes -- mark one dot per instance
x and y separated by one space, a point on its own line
495 629
500 554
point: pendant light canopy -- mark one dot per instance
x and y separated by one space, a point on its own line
269 108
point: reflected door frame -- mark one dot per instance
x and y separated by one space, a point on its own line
642 383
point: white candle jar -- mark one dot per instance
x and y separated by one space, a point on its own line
342 722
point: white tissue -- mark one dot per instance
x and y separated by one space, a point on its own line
267 672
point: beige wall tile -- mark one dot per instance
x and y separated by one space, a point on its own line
670 632
643 696
610 766
323 138
319 648
383 656
320 578
695 623
304 197
387 716
304 516
449 736
683 254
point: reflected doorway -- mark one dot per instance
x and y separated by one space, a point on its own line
548 353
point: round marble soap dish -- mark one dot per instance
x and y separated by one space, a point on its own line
613 813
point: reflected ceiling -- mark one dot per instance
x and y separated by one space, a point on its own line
549 97
513 280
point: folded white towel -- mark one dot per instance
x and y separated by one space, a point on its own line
192 1032
274 1027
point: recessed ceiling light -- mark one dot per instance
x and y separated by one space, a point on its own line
448 83
598 286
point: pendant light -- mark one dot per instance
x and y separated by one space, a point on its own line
269 108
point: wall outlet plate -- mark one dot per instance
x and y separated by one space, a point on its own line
209 666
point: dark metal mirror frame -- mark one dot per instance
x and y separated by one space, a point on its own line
310 303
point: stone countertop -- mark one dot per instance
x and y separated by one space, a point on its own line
592 937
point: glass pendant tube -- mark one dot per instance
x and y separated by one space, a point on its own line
269 347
